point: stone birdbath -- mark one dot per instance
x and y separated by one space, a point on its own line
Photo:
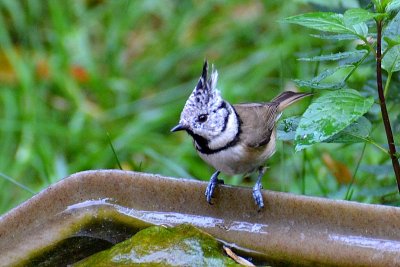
88 211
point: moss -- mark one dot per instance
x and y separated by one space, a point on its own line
183 245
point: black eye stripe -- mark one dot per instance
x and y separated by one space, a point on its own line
222 106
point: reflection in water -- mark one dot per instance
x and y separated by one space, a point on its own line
173 218
249 227
89 204
365 242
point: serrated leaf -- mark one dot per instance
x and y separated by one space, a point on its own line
330 114
322 21
286 129
356 132
391 60
319 85
358 54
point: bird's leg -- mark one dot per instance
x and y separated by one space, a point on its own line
257 188
211 185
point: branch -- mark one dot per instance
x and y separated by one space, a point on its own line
382 102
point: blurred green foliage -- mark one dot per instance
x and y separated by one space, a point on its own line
72 72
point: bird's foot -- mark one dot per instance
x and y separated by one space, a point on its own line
211 186
257 189
258 196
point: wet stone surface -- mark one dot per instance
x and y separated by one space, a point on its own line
183 245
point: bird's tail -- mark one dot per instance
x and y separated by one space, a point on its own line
287 98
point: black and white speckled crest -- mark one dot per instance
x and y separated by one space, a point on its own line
205 113
205 97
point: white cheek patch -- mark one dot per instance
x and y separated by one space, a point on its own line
227 136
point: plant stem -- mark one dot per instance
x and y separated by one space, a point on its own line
389 78
382 102
370 141
355 66
353 178
8 178
113 150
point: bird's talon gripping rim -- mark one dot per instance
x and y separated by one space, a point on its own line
211 186
210 191
258 199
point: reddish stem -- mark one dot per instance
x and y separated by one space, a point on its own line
385 116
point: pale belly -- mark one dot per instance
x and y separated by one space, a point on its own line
239 159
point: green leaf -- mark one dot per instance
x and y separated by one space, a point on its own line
317 83
391 60
380 5
358 54
286 129
329 72
330 114
322 21
332 4
361 29
392 30
356 16
394 5
338 37
356 132
392 42
355 19
352 22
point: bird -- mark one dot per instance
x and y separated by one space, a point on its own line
233 139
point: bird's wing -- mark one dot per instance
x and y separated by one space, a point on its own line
257 122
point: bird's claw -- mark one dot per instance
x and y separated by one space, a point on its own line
258 196
211 186
210 191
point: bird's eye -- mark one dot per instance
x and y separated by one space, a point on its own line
202 118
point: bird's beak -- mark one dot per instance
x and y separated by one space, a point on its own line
178 127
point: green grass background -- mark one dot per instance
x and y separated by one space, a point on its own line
72 72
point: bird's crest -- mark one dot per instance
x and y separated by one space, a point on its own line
205 96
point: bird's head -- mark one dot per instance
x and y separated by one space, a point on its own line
205 113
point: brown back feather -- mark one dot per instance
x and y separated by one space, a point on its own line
258 119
